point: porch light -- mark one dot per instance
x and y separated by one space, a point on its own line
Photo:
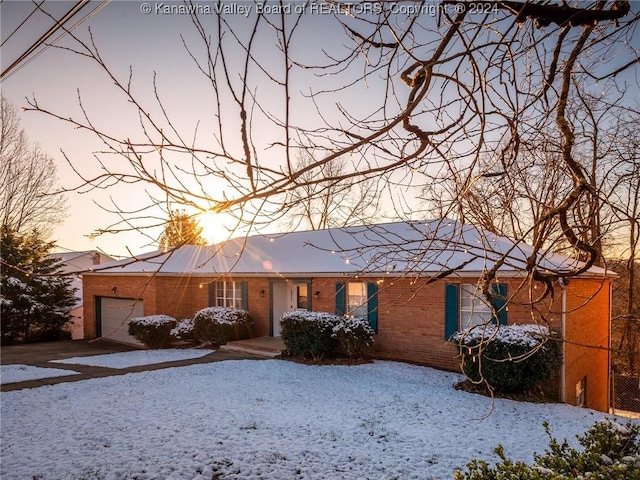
317 294
262 293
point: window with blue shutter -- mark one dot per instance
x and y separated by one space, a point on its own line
499 293
464 306
358 299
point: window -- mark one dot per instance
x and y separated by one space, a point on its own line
228 294
302 297
358 299
474 309
465 306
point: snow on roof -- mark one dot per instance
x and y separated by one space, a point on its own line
418 247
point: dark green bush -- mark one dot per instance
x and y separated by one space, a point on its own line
610 452
183 330
512 358
309 334
154 331
318 334
354 336
219 325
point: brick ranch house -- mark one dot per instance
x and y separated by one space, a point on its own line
415 282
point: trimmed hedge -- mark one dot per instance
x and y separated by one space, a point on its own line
318 334
610 451
183 330
511 358
154 330
219 325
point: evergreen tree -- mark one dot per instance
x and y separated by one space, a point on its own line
181 229
35 301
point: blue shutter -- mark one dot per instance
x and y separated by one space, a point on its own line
245 295
499 294
372 306
212 293
451 321
341 295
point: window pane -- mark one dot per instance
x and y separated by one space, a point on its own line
357 299
474 310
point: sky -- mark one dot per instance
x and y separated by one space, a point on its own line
148 40
152 45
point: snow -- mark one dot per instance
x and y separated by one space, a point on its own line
23 373
427 247
155 320
528 335
136 358
269 419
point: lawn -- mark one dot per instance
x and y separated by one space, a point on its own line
269 419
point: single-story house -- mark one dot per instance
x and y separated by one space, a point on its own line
72 264
415 282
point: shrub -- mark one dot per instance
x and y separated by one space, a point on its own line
154 330
512 358
220 325
354 336
183 330
309 334
318 334
610 451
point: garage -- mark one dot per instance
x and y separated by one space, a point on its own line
113 314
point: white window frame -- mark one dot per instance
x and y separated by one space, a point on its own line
357 300
229 294
473 309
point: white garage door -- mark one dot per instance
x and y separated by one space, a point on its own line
115 313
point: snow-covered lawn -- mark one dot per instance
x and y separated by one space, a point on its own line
268 419
136 358
23 373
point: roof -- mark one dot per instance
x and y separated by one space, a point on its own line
423 248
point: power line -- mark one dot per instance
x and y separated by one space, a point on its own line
63 34
67 16
23 22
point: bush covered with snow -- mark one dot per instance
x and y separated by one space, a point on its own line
183 330
153 330
218 325
318 334
354 336
610 451
511 358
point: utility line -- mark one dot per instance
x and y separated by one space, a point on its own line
74 10
23 22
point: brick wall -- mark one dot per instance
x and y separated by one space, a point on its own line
587 336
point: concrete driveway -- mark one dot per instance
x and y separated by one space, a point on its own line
39 354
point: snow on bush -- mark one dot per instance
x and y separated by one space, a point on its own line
218 325
318 334
610 451
183 330
153 330
510 358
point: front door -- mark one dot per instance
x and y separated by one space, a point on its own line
287 296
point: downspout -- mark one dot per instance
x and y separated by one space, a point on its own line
609 378
563 389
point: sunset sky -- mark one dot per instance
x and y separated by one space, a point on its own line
151 44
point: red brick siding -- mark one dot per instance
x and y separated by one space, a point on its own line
587 326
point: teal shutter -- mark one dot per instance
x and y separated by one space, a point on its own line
451 321
245 295
341 297
372 306
212 293
499 294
